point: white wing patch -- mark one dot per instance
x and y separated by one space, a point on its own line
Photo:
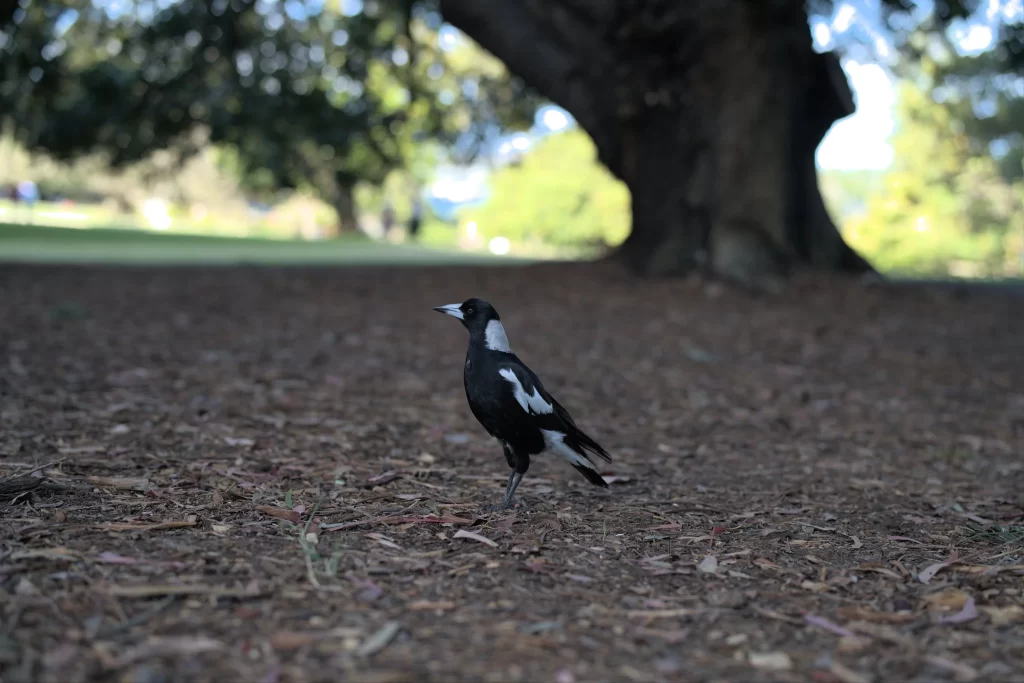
555 442
531 403
495 337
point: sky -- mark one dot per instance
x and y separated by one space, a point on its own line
860 141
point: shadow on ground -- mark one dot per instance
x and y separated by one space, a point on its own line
272 475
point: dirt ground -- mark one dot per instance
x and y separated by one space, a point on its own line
269 475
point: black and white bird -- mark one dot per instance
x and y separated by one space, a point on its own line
507 398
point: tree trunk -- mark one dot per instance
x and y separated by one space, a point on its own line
344 203
709 110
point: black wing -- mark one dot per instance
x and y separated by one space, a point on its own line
558 419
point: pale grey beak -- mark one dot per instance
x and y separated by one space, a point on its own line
453 310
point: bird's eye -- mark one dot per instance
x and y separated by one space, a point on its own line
470 311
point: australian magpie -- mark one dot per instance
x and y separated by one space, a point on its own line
507 398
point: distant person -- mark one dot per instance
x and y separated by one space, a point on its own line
416 217
28 193
387 218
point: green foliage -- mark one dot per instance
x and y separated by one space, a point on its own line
943 208
296 95
559 194
846 192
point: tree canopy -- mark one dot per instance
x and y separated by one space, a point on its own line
944 205
297 93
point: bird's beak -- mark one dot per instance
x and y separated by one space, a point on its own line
454 310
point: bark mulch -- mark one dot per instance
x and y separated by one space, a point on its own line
268 475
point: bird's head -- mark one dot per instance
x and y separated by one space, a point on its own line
474 314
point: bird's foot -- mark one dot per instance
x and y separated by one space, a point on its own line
514 504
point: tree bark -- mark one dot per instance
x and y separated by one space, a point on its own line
709 110
344 203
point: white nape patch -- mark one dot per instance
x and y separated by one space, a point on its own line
555 442
496 338
530 402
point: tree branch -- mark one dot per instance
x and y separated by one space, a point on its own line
558 64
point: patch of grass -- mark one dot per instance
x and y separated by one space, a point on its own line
35 244
957 455
69 310
995 534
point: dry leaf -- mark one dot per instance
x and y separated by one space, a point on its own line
770 661
153 590
662 613
169 645
281 513
1004 616
861 613
709 565
854 645
967 613
926 574
463 534
961 671
58 553
815 586
878 569
830 626
431 605
886 633
114 558
122 483
989 569
191 520
384 541
949 598
290 640
379 640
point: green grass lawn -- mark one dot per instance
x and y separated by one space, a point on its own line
38 244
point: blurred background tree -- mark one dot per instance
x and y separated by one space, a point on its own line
946 205
708 118
296 94
574 200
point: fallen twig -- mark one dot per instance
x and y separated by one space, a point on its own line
397 519
29 472
150 591
138 619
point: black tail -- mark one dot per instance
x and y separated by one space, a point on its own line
592 476
579 441
574 436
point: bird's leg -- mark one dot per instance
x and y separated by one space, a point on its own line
513 484
508 496
509 487
521 465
